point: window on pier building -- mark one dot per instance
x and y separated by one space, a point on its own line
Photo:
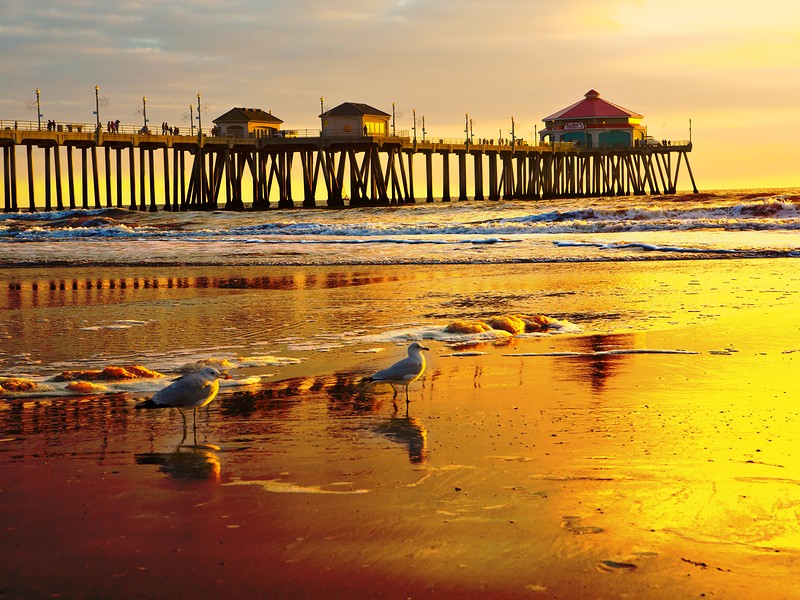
375 127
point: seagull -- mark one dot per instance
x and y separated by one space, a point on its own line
403 371
189 391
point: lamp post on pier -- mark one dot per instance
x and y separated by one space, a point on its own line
191 120
97 106
38 109
513 136
471 133
414 113
393 121
321 105
423 128
144 114
466 127
199 118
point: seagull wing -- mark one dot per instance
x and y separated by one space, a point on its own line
403 371
189 390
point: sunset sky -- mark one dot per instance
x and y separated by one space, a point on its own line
733 68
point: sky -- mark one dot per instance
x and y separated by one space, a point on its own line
732 68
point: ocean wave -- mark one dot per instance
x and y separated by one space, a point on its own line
646 247
436 225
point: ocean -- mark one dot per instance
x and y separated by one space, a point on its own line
724 224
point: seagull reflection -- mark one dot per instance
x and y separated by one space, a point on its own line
409 431
194 462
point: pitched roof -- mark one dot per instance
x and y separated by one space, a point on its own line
354 108
238 115
592 106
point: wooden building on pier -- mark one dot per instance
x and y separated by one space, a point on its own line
352 119
247 122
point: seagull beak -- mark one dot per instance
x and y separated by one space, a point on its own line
225 376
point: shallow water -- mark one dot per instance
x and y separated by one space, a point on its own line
651 451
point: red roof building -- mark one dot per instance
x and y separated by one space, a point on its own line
594 123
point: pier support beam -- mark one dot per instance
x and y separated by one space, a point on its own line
478 168
462 176
429 176
445 176
31 191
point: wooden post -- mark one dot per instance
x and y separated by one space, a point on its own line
7 179
429 175
494 191
462 176
167 205
95 178
107 152
477 158
175 179
31 192
84 178
132 176
142 171
47 180
411 199
70 178
446 176
151 160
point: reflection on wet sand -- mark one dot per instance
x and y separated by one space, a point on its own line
599 367
21 292
409 431
193 462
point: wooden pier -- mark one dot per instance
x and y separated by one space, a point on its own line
210 173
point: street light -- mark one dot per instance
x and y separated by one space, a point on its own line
393 130
466 126
144 113
38 109
191 120
414 112
97 105
423 128
513 137
199 118
321 105
471 133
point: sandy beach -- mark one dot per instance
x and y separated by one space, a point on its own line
652 453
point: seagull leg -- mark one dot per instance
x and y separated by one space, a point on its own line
395 392
407 400
183 417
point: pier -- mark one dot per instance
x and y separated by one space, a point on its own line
150 172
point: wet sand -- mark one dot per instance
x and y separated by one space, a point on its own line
655 455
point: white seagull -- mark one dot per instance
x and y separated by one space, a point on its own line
189 391
403 371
